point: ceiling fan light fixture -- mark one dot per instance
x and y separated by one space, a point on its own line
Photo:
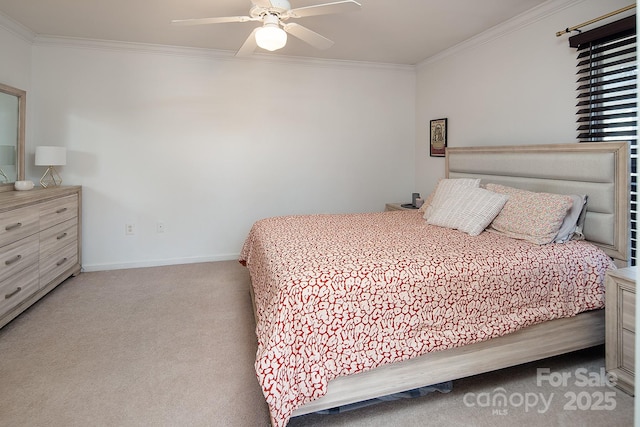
271 37
273 14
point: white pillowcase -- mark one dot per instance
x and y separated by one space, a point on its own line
468 209
445 188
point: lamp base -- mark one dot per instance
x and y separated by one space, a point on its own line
50 178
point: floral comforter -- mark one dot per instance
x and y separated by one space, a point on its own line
341 294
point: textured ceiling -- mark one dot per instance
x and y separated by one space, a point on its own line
391 31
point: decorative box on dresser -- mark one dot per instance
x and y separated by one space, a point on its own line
39 244
620 308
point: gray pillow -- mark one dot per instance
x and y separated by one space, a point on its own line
571 228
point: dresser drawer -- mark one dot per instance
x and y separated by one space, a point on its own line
628 343
620 305
628 310
17 287
19 255
57 211
17 224
55 238
57 263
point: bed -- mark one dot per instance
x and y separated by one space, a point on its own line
279 270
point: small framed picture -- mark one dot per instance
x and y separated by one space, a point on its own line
438 138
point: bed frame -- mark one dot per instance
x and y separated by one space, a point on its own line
599 170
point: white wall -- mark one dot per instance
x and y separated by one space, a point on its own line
209 143
15 45
15 71
513 85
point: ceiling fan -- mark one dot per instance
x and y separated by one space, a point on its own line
272 35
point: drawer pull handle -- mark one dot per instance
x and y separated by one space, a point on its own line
13 260
61 210
13 226
9 295
62 236
62 261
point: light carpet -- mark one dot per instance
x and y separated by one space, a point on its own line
175 345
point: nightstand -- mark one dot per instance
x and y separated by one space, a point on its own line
397 207
620 318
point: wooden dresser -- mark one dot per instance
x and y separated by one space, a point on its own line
39 244
620 315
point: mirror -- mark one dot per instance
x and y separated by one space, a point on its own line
12 128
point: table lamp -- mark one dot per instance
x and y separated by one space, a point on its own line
51 157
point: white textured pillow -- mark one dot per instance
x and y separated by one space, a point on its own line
444 189
427 201
468 209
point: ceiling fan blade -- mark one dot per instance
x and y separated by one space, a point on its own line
221 20
249 45
306 35
325 9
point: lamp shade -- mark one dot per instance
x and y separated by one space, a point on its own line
7 155
271 37
51 156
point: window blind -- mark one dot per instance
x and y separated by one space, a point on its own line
607 107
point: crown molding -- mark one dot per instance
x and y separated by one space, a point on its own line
17 28
204 53
516 23
122 46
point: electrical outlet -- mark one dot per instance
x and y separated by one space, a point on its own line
160 227
129 229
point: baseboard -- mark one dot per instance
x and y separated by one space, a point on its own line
157 262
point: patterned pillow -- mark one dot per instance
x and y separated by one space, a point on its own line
468 209
442 191
535 217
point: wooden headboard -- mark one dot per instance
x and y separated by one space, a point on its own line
598 169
